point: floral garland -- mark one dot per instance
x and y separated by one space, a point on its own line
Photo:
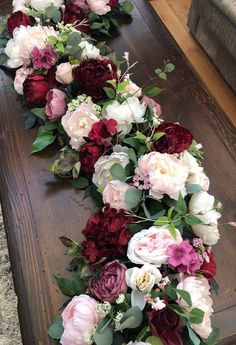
145 270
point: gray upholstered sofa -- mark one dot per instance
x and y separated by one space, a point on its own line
213 24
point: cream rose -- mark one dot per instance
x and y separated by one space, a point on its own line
103 165
99 7
163 173
150 246
78 124
141 280
126 113
114 194
64 73
199 289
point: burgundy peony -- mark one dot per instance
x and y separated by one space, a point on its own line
89 154
111 282
75 15
106 234
92 75
17 19
208 269
166 325
102 132
176 138
113 3
36 87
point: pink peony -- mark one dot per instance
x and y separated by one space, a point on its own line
114 194
183 257
111 282
44 58
149 101
56 104
79 317
21 75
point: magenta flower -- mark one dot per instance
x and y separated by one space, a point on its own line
183 257
43 58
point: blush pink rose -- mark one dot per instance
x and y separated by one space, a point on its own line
56 104
99 7
149 101
21 75
114 194
64 73
79 317
150 245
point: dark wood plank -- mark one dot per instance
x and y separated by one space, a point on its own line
38 208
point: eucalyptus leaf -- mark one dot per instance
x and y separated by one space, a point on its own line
3 58
213 337
196 315
118 172
193 188
80 182
132 197
131 319
104 333
190 219
193 336
56 329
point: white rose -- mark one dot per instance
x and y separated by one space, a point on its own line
150 246
141 280
40 5
199 289
126 113
103 165
78 124
64 73
89 50
164 173
20 5
114 194
202 205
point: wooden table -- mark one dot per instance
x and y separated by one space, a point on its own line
38 208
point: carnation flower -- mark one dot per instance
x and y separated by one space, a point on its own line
44 58
175 140
17 19
162 173
106 234
102 132
183 257
103 166
111 282
126 113
150 245
89 154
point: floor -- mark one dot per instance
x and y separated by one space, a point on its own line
174 14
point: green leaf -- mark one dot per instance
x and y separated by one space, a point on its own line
170 211
71 287
30 120
60 47
178 310
39 112
80 182
141 137
3 42
196 316
64 38
74 39
152 91
214 286
193 336
169 67
127 6
118 172
158 135
53 13
193 188
162 221
132 142
53 39
213 337
56 329
131 319
162 75
104 333
171 292
181 206
132 155
154 340
3 58
185 295
44 139
132 197
122 86
172 230
111 94
190 219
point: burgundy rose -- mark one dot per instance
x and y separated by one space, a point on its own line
92 75
75 15
36 87
166 325
106 234
111 282
113 3
89 154
17 19
208 269
102 132
176 138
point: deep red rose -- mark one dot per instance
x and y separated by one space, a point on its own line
176 138
74 14
92 75
89 154
208 269
36 87
102 132
17 19
113 3
106 234
166 325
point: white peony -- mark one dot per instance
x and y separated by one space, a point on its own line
199 289
202 205
164 173
89 50
25 39
150 245
102 174
41 5
141 281
126 113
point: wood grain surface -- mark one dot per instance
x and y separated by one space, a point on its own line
38 208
